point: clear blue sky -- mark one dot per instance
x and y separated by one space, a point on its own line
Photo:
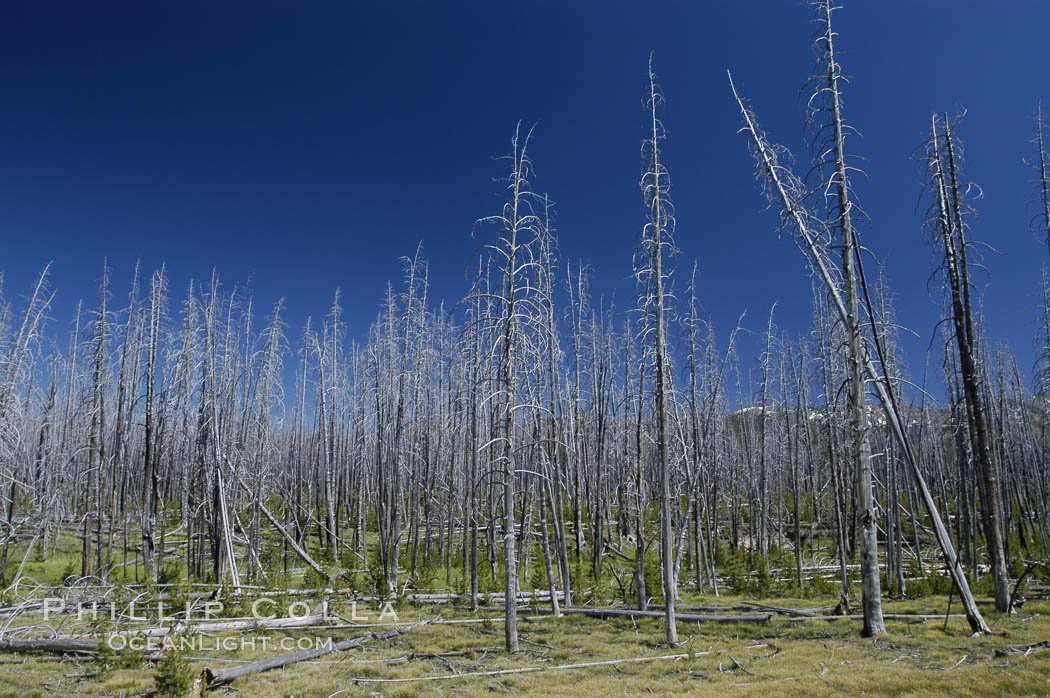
306 146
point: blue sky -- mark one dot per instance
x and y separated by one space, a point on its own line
307 146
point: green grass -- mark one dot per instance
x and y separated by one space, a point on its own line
807 658
811 658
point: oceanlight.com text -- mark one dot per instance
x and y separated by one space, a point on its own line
200 643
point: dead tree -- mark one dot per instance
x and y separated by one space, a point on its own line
151 484
515 313
949 231
831 137
786 190
658 243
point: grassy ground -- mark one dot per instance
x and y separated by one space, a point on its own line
809 658
793 658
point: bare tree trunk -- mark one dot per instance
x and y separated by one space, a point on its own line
788 191
953 238
657 236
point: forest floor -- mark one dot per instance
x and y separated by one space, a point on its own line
782 656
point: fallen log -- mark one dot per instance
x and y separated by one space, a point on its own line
816 610
684 617
217 678
441 621
66 658
713 609
748 607
219 626
51 644
530 669
887 616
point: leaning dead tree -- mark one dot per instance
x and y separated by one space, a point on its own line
787 191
